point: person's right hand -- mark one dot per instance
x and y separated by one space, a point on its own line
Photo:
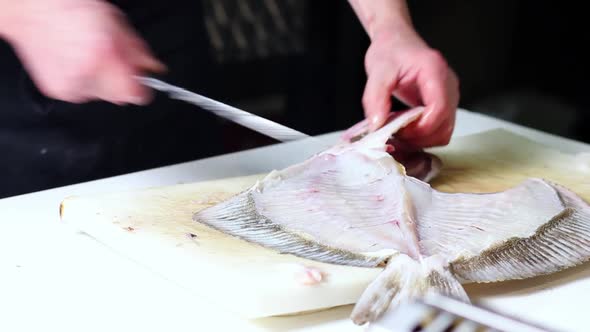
79 50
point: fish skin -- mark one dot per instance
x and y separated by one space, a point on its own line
356 204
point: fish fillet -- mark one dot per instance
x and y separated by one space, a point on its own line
367 202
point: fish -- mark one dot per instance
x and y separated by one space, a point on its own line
367 201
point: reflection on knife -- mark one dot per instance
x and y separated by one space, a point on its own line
252 121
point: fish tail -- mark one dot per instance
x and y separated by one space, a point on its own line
403 280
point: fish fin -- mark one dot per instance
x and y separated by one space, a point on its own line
395 121
458 225
561 243
444 282
402 280
239 217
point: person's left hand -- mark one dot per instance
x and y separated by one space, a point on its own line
401 64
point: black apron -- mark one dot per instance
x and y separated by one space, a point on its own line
299 63
46 143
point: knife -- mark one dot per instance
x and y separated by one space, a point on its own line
246 119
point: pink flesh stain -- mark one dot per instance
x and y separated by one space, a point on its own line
394 223
380 198
328 157
309 276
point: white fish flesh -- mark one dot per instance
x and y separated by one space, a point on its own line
366 202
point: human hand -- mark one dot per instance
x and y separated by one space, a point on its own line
399 63
78 50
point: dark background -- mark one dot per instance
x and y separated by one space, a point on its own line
523 61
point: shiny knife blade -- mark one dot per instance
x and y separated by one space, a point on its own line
246 119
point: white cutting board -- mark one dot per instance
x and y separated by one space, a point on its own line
153 227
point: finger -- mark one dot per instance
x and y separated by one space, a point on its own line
439 137
381 82
117 83
133 58
134 49
75 89
137 52
143 59
408 94
440 95
118 86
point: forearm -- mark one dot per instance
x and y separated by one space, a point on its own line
8 16
378 16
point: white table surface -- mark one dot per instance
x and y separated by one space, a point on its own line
52 278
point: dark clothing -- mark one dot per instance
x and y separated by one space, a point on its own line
46 143
296 65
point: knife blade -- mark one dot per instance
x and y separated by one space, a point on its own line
255 122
